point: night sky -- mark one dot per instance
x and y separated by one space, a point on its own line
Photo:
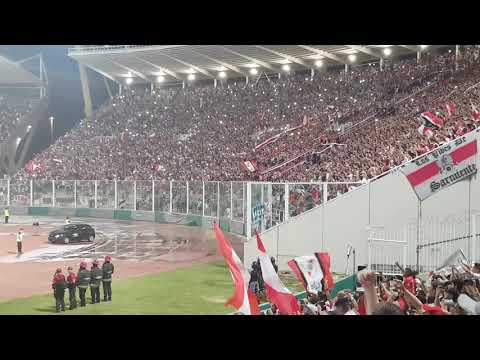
65 92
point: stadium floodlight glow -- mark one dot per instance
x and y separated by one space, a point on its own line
29 127
387 51
129 81
253 71
352 57
191 77
286 67
222 74
423 47
319 63
160 78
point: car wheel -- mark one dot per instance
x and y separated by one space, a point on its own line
91 238
66 240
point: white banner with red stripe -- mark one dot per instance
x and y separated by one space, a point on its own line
443 167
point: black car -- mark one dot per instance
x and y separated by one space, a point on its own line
72 233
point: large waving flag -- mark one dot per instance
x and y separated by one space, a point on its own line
241 297
277 293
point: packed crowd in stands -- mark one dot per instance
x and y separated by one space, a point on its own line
11 114
453 290
206 133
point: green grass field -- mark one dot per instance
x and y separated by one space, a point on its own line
200 289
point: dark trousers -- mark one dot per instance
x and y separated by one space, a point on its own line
6 219
72 298
19 247
59 300
107 290
81 294
95 292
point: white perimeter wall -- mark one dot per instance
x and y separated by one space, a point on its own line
388 201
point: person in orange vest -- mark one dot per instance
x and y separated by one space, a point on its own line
59 284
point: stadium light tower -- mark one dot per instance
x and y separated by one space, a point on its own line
222 74
286 67
387 51
253 71
191 77
129 81
160 78
423 47
319 63
352 57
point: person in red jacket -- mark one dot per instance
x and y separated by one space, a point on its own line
72 288
59 284
409 281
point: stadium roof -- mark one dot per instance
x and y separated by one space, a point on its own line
174 63
12 74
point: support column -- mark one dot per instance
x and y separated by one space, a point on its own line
346 68
188 198
152 87
279 75
134 195
215 83
218 201
312 73
325 192
31 193
41 77
171 196
120 89
8 192
286 198
246 80
153 195
86 91
381 64
75 194
116 195
203 198
183 84
53 193
231 200
419 56
96 187
249 211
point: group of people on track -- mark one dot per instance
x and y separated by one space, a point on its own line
82 280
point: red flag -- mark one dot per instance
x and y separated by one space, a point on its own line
324 259
425 131
294 266
277 293
240 275
431 118
254 308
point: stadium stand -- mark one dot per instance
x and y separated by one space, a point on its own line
335 126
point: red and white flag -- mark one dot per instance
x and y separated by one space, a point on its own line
431 118
444 166
277 293
425 131
475 113
31 167
158 167
308 270
450 109
250 165
240 299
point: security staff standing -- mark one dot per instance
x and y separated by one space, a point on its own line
107 269
19 241
72 288
95 280
83 281
59 284
6 212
